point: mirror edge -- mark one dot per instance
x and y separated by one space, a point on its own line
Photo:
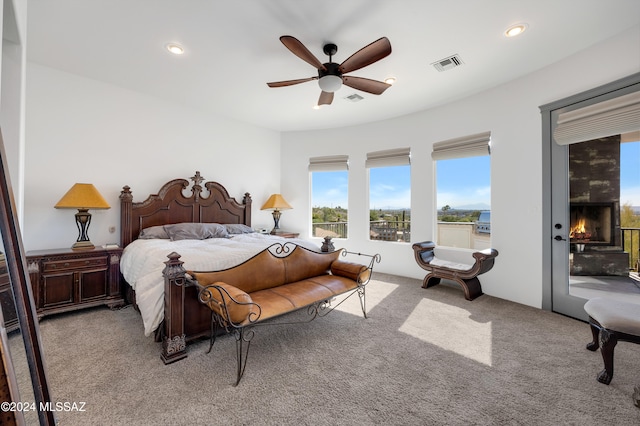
22 290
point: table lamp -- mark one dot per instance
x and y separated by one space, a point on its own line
276 203
82 196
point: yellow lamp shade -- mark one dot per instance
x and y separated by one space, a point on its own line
82 196
276 202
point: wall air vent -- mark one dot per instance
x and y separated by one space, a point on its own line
354 97
448 63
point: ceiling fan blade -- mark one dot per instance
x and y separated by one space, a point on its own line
299 49
367 55
290 82
366 85
325 98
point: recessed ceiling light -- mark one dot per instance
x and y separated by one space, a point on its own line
316 106
175 48
515 30
390 80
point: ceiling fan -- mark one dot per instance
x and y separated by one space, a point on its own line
331 76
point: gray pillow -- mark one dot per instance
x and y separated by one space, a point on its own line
238 228
217 230
153 232
196 231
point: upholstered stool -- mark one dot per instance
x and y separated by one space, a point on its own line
610 321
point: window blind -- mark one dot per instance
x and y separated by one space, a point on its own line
329 163
466 146
389 157
613 117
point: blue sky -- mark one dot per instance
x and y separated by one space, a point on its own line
463 182
630 173
330 189
390 187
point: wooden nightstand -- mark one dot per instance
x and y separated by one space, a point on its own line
285 234
66 280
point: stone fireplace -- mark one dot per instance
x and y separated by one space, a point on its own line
594 208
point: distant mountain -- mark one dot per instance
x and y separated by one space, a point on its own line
477 206
636 209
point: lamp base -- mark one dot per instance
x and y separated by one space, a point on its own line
83 219
276 220
83 245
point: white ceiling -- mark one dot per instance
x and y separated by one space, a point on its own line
233 49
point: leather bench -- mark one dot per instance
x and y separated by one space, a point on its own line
276 281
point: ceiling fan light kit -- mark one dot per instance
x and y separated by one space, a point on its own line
330 83
331 75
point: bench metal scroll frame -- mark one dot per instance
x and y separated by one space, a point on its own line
244 332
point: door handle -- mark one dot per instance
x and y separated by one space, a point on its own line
559 238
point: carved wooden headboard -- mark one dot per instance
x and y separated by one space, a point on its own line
169 206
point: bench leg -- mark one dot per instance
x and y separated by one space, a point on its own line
595 331
471 287
243 343
608 341
361 295
430 281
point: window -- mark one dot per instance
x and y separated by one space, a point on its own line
390 195
463 192
329 196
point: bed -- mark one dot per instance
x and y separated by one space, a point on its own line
195 222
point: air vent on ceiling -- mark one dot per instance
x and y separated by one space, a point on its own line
354 98
448 63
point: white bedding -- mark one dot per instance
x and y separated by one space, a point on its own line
142 263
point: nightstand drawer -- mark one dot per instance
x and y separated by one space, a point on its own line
61 265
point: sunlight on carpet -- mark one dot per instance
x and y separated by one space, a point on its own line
450 328
376 291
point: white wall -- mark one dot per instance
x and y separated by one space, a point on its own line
12 89
511 113
82 130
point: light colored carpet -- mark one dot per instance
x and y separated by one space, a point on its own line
423 357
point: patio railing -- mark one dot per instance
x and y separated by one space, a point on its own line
385 230
332 229
631 244
390 230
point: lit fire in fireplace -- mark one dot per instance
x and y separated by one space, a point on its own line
578 231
